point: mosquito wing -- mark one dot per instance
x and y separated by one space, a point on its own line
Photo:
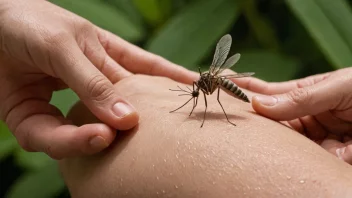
229 63
239 75
221 52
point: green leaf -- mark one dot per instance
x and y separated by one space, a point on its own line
154 11
31 160
64 100
104 16
8 142
127 7
42 183
189 36
328 23
339 13
267 65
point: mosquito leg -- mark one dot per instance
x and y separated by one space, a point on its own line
223 108
206 106
181 106
195 102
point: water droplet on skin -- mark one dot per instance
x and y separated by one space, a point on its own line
157 192
288 177
184 165
164 160
220 174
178 143
153 166
176 156
157 177
171 174
205 156
176 186
302 181
213 182
163 191
231 165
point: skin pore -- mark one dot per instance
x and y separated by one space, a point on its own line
169 155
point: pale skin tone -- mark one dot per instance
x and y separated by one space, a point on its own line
170 155
44 48
318 106
37 58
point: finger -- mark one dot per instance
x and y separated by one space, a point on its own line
297 126
39 126
98 56
345 115
93 88
297 103
345 153
331 143
262 87
58 140
334 124
137 60
314 130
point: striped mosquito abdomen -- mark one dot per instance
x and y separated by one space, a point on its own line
232 89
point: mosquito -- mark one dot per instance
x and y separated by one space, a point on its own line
212 80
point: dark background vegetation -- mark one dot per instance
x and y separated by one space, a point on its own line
278 39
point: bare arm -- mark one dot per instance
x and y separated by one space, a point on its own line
169 154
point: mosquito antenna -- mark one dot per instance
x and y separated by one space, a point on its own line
179 90
182 90
182 105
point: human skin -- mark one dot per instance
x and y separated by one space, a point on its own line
45 48
318 106
169 155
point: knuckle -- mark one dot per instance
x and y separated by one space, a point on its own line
56 39
99 88
300 96
51 153
24 141
304 83
85 26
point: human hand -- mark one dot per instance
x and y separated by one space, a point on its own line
44 48
318 106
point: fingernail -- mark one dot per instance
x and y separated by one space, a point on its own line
266 100
98 142
340 151
122 109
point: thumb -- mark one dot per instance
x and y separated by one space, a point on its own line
297 103
96 91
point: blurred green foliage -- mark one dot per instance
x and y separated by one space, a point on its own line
279 40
